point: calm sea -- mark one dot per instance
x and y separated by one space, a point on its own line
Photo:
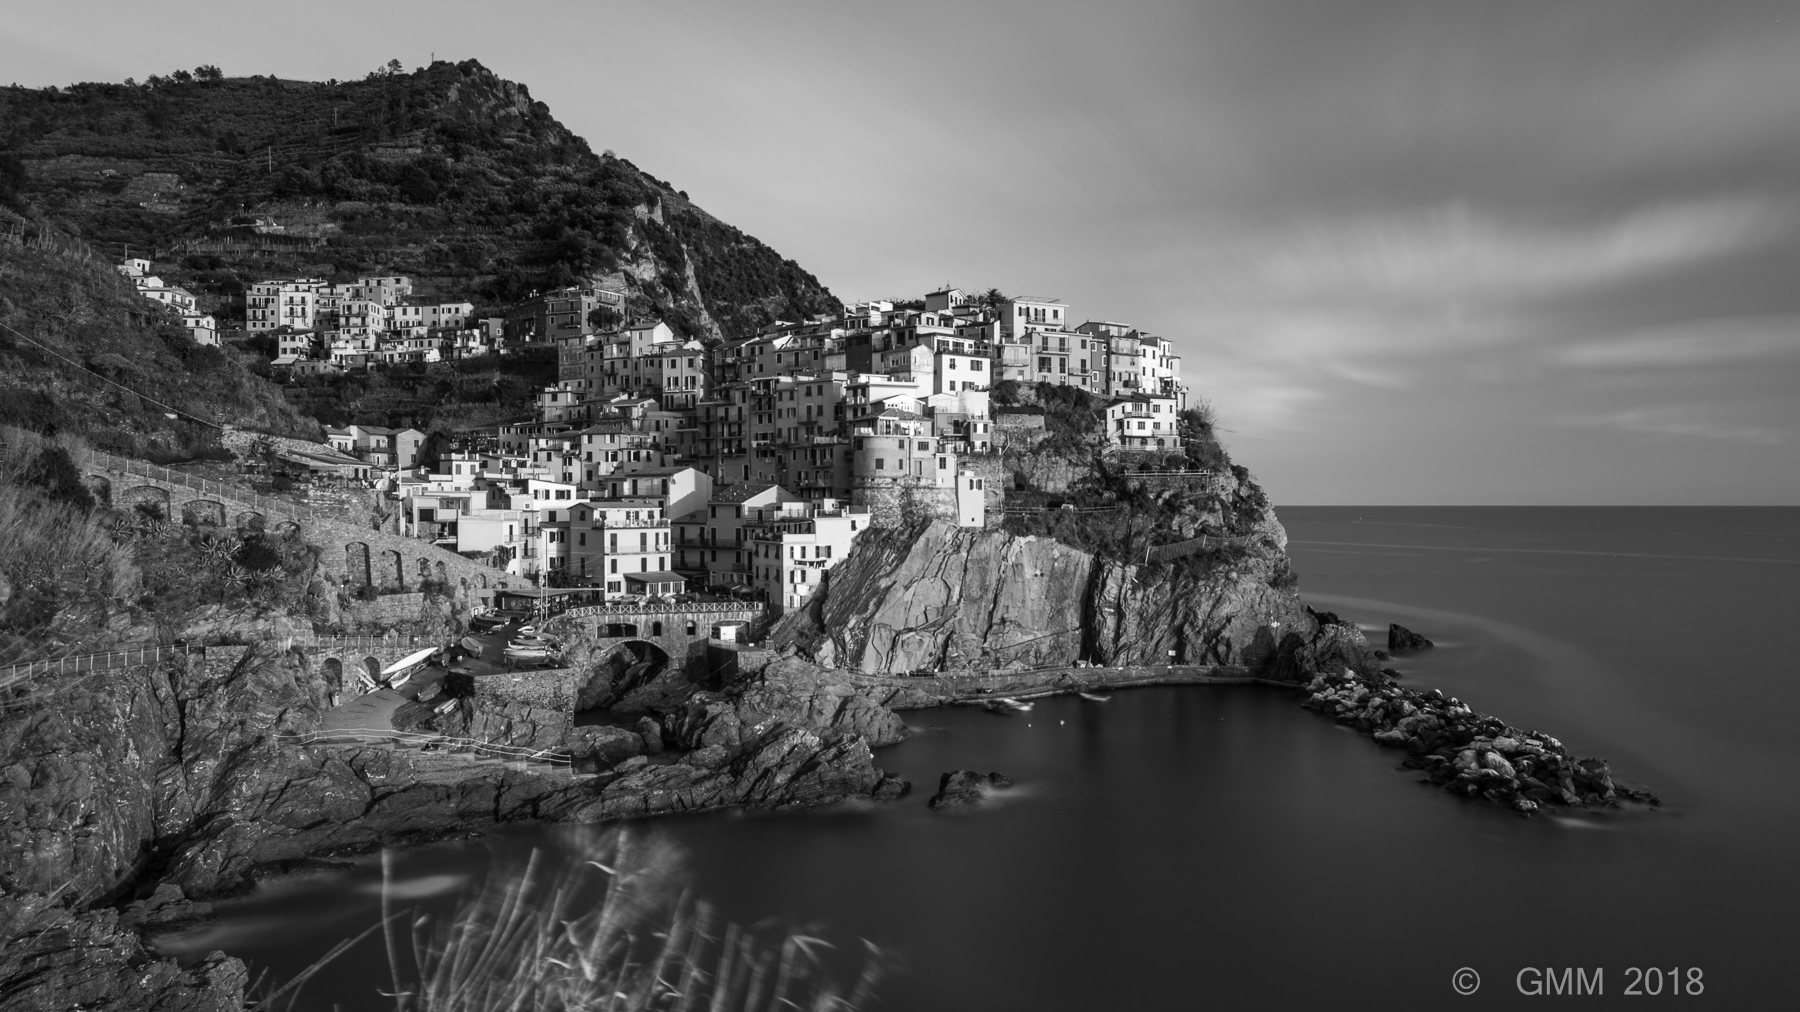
1222 848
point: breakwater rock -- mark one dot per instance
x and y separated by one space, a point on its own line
1402 638
966 787
1470 753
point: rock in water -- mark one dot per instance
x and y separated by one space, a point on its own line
966 787
1402 638
652 733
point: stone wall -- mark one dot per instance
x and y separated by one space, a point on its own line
1019 433
996 479
897 502
240 442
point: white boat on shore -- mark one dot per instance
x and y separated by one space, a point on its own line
1006 704
1094 697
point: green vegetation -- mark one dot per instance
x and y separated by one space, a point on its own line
604 925
81 352
1108 512
435 397
448 174
76 572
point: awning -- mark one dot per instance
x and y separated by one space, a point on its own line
660 580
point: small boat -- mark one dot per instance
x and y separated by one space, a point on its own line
1093 697
525 653
1005 705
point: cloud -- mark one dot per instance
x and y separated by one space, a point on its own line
1688 344
1677 422
1454 252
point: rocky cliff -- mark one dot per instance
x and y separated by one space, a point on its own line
940 597
187 776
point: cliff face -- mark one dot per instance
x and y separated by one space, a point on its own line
943 597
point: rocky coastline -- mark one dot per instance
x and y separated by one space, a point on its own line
130 801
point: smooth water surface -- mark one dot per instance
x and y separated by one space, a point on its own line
1221 847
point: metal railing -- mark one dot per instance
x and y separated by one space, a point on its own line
75 664
1163 553
225 493
697 607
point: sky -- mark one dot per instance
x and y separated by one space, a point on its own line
1413 253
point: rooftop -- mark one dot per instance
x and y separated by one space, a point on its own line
741 492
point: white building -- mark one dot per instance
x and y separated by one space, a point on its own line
1142 421
793 544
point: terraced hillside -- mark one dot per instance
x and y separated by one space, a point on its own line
449 174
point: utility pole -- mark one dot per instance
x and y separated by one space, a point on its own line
271 159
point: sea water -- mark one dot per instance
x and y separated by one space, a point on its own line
1220 847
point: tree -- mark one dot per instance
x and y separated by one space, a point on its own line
54 472
209 72
181 77
12 179
394 67
603 318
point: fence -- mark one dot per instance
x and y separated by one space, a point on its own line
281 508
77 664
487 748
80 664
1193 546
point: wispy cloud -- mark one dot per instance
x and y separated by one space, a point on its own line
1456 252
1678 422
1689 344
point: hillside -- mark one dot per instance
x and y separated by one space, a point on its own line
93 357
448 174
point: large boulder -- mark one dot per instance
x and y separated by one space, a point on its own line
1400 638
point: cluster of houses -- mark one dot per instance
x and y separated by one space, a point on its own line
323 327
200 326
658 465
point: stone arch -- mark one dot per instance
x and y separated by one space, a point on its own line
332 672
656 628
210 512
287 528
100 486
390 566
647 651
252 520
356 564
483 578
443 573
372 668
152 495
424 570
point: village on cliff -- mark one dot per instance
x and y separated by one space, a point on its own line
658 467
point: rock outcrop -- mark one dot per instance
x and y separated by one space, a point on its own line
966 787
188 773
787 690
1400 638
940 597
